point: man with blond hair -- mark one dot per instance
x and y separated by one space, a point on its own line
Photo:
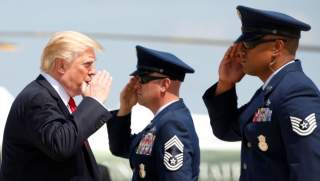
45 136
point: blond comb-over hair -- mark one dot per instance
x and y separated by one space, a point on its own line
66 45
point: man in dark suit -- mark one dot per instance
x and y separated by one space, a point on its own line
168 148
45 136
278 127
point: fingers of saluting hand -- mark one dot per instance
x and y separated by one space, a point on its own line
130 88
102 77
236 49
133 82
105 78
226 57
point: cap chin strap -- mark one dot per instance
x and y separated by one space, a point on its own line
150 69
172 76
265 31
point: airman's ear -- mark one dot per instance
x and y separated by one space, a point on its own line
278 46
165 84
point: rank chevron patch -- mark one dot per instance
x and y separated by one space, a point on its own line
304 127
173 154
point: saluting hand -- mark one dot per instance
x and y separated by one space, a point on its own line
230 69
99 87
128 97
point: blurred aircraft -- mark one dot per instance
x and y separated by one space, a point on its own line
7 47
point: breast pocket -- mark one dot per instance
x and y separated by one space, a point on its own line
143 167
264 136
146 144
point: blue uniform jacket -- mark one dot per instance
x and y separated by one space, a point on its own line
167 149
279 127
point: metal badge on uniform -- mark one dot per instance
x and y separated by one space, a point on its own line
142 171
263 146
304 127
263 114
146 143
268 102
173 154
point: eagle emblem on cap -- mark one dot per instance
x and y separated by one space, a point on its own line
304 127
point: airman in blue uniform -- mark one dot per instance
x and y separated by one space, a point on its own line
168 148
279 126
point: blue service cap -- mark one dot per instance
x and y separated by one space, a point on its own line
150 60
257 23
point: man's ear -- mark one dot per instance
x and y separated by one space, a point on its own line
278 46
59 65
165 84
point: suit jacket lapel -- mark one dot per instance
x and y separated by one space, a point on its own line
91 163
43 82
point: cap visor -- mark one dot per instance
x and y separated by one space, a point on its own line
239 39
247 37
136 72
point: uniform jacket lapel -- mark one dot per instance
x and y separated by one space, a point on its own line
295 66
261 95
174 106
155 121
251 108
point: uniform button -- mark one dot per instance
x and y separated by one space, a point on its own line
249 145
244 166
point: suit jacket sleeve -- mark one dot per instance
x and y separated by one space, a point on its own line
119 134
223 114
301 144
57 135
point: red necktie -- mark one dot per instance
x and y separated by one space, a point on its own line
72 105
73 108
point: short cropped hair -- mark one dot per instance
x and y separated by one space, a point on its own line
292 46
66 45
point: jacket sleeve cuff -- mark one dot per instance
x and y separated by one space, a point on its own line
218 103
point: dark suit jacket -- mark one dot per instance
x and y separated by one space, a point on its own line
279 127
146 150
43 141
